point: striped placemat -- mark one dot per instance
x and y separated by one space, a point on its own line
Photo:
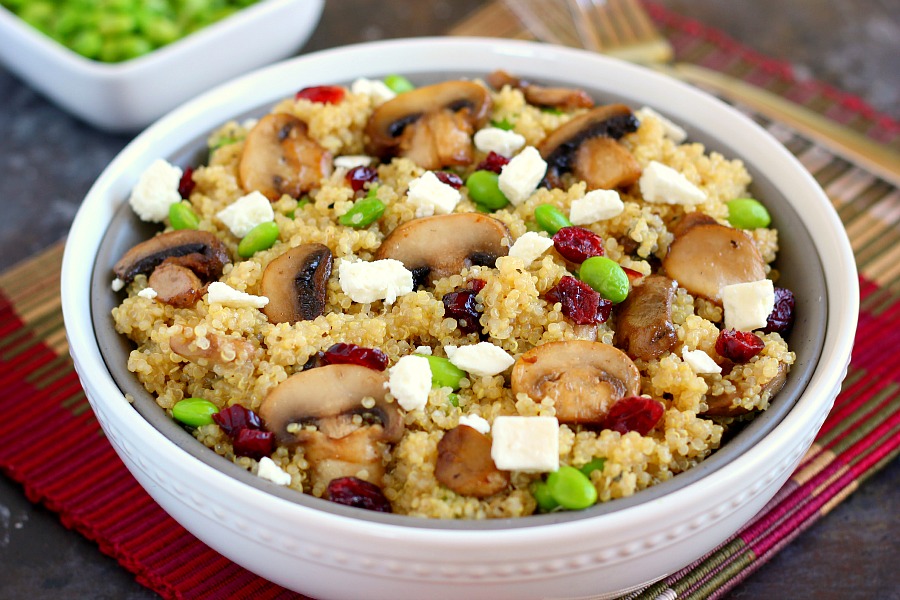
96 496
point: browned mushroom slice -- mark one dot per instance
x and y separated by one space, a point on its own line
690 220
200 251
176 285
644 328
539 95
279 158
604 164
584 378
709 256
213 350
442 245
295 284
432 125
464 464
724 405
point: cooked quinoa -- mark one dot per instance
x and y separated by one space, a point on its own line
238 356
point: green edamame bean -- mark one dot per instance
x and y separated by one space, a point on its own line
606 277
747 213
443 372
503 124
484 190
550 219
194 411
364 213
261 237
571 488
398 84
545 501
594 465
182 216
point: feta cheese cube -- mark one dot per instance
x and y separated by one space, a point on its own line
246 212
270 471
662 184
156 190
431 196
476 422
224 294
425 350
375 89
596 205
530 246
377 280
351 161
410 381
700 362
501 141
747 306
528 444
148 292
521 175
117 285
670 129
483 359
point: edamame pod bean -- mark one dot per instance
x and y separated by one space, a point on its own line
550 219
182 216
606 277
398 84
364 213
261 237
443 372
594 465
541 492
484 190
571 488
747 213
194 411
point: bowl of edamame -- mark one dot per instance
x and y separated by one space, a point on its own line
121 64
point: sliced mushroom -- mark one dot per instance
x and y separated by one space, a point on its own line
442 245
551 97
708 256
295 284
213 349
279 158
176 285
200 251
724 405
464 464
644 328
690 220
587 146
584 378
431 125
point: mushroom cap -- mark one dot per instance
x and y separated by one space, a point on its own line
176 285
644 328
610 120
605 164
584 378
464 463
557 97
709 256
279 158
328 397
296 284
442 245
200 251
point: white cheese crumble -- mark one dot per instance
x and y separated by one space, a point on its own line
246 212
375 89
224 294
521 175
117 285
270 471
525 444
476 422
503 142
410 381
351 161
700 362
483 359
530 246
367 282
148 292
596 205
156 190
431 196
662 184
426 350
747 306
672 131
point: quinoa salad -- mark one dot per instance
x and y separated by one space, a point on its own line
474 299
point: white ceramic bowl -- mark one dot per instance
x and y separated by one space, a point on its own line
130 95
331 551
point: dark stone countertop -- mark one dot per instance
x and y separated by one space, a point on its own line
49 159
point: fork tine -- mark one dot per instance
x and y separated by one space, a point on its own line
581 16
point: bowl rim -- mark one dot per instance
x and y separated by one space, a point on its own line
841 318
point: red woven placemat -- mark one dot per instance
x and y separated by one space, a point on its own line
98 497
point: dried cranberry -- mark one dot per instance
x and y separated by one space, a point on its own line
461 305
451 179
577 244
186 184
351 354
633 276
236 418
358 177
254 443
782 316
738 346
492 162
634 413
476 285
579 301
352 491
323 94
